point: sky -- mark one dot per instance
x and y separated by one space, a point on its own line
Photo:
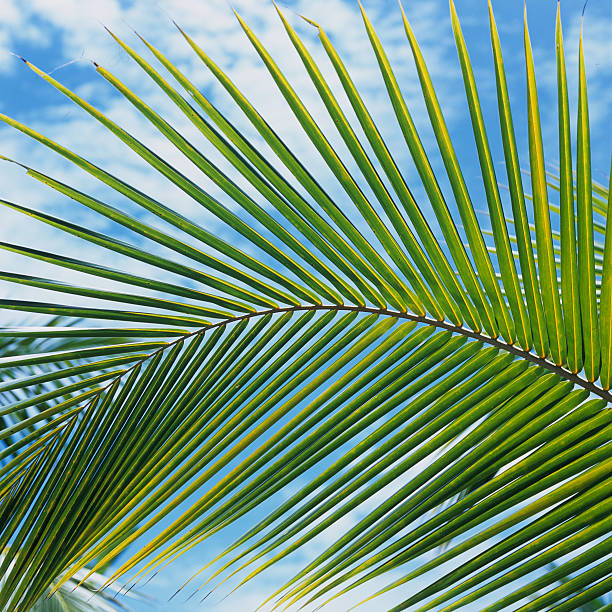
64 37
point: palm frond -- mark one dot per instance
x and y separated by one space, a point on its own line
32 379
331 348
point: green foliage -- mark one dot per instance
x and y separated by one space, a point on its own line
77 596
43 378
459 398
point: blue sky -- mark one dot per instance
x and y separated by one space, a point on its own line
64 36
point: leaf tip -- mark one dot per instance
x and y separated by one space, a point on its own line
142 39
491 16
239 18
178 27
13 161
311 22
23 59
280 14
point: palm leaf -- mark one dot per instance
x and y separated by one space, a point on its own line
330 349
31 380
80 596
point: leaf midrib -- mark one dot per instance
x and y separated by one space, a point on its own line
529 356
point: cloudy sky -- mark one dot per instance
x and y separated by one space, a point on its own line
64 37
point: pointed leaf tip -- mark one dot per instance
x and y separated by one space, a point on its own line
13 161
112 34
141 38
311 22
178 27
584 8
240 19
280 14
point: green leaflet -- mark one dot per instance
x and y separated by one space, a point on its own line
251 174
322 439
142 255
605 304
328 242
429 472
124 277
181 181
584 205
547 270
569 270
463 514
302 174
112 296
